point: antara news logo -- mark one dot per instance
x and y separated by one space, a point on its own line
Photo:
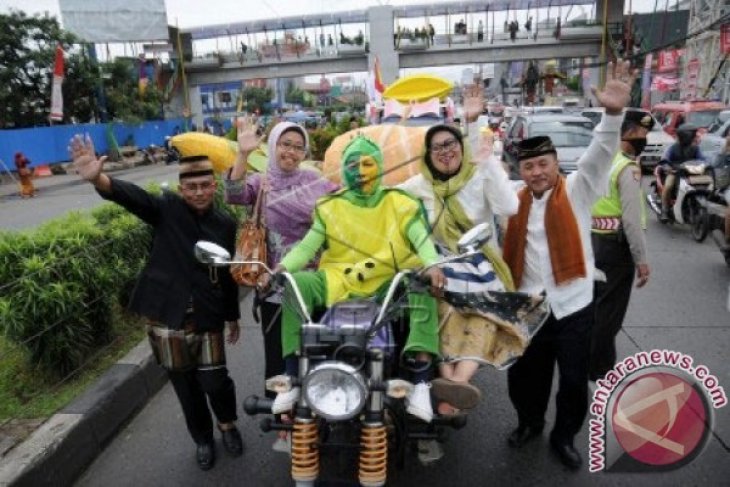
652 412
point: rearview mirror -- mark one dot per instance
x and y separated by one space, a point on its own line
475 238
210 253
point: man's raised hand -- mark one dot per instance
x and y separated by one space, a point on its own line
81 149
616 93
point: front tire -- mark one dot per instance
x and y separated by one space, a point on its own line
700 222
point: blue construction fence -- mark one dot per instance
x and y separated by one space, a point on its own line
48 145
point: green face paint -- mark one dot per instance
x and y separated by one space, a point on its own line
362 166
362 174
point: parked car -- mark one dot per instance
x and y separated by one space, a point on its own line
540 109
712 142
657 140
700 113
722 117
571 135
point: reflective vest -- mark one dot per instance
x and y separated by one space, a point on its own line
607 210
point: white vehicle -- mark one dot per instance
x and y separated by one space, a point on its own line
543 109
657 140
711 143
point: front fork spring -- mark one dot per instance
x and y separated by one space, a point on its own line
373 456
304 452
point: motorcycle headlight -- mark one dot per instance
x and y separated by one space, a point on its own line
335 391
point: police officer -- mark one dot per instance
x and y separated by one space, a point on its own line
619 222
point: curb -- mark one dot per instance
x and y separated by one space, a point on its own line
9 189
59 451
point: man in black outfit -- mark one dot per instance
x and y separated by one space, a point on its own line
186 304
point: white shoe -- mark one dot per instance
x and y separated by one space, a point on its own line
429 451
282 444
419 402
285 401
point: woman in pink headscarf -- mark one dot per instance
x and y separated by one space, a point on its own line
289 204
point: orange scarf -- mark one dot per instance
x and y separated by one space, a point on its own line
566 249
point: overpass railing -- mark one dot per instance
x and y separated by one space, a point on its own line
272 54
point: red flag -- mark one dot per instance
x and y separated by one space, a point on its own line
56 93
379 86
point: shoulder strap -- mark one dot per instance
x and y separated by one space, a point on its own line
258 211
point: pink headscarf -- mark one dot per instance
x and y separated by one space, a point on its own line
279 179
293 194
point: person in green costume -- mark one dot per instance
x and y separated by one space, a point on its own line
367 232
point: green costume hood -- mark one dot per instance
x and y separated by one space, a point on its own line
362 147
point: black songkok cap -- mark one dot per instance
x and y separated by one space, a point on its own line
194 166
534 147
640 118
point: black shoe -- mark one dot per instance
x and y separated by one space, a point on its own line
232 441
206 455
664 216
567 453
523 434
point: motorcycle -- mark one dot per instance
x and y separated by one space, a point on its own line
712 210
172 155
693 182
352 398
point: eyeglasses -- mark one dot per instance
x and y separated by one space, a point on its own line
195 187
288 146
447 146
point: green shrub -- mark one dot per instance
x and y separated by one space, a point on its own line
320 139
64 281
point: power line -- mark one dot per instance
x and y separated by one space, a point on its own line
725 18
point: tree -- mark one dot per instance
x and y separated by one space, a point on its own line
79 89
27 50
294 95
125 102
258 99
299 97
27 53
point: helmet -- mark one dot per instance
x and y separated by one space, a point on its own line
686 133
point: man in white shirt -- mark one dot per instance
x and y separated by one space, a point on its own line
548 248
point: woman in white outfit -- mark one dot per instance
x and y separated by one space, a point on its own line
459 191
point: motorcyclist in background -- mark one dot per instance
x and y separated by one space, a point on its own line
685 149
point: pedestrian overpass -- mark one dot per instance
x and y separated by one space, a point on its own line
291 53
575 42
316 44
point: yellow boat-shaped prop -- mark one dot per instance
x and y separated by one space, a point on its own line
222 152
418 87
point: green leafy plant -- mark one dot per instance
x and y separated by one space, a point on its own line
64 282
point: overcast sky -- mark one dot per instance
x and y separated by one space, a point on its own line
189 13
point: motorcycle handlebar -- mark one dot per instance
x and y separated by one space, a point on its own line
279 279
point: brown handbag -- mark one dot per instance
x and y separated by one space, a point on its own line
251 244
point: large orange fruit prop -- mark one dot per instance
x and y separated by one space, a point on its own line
402 149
